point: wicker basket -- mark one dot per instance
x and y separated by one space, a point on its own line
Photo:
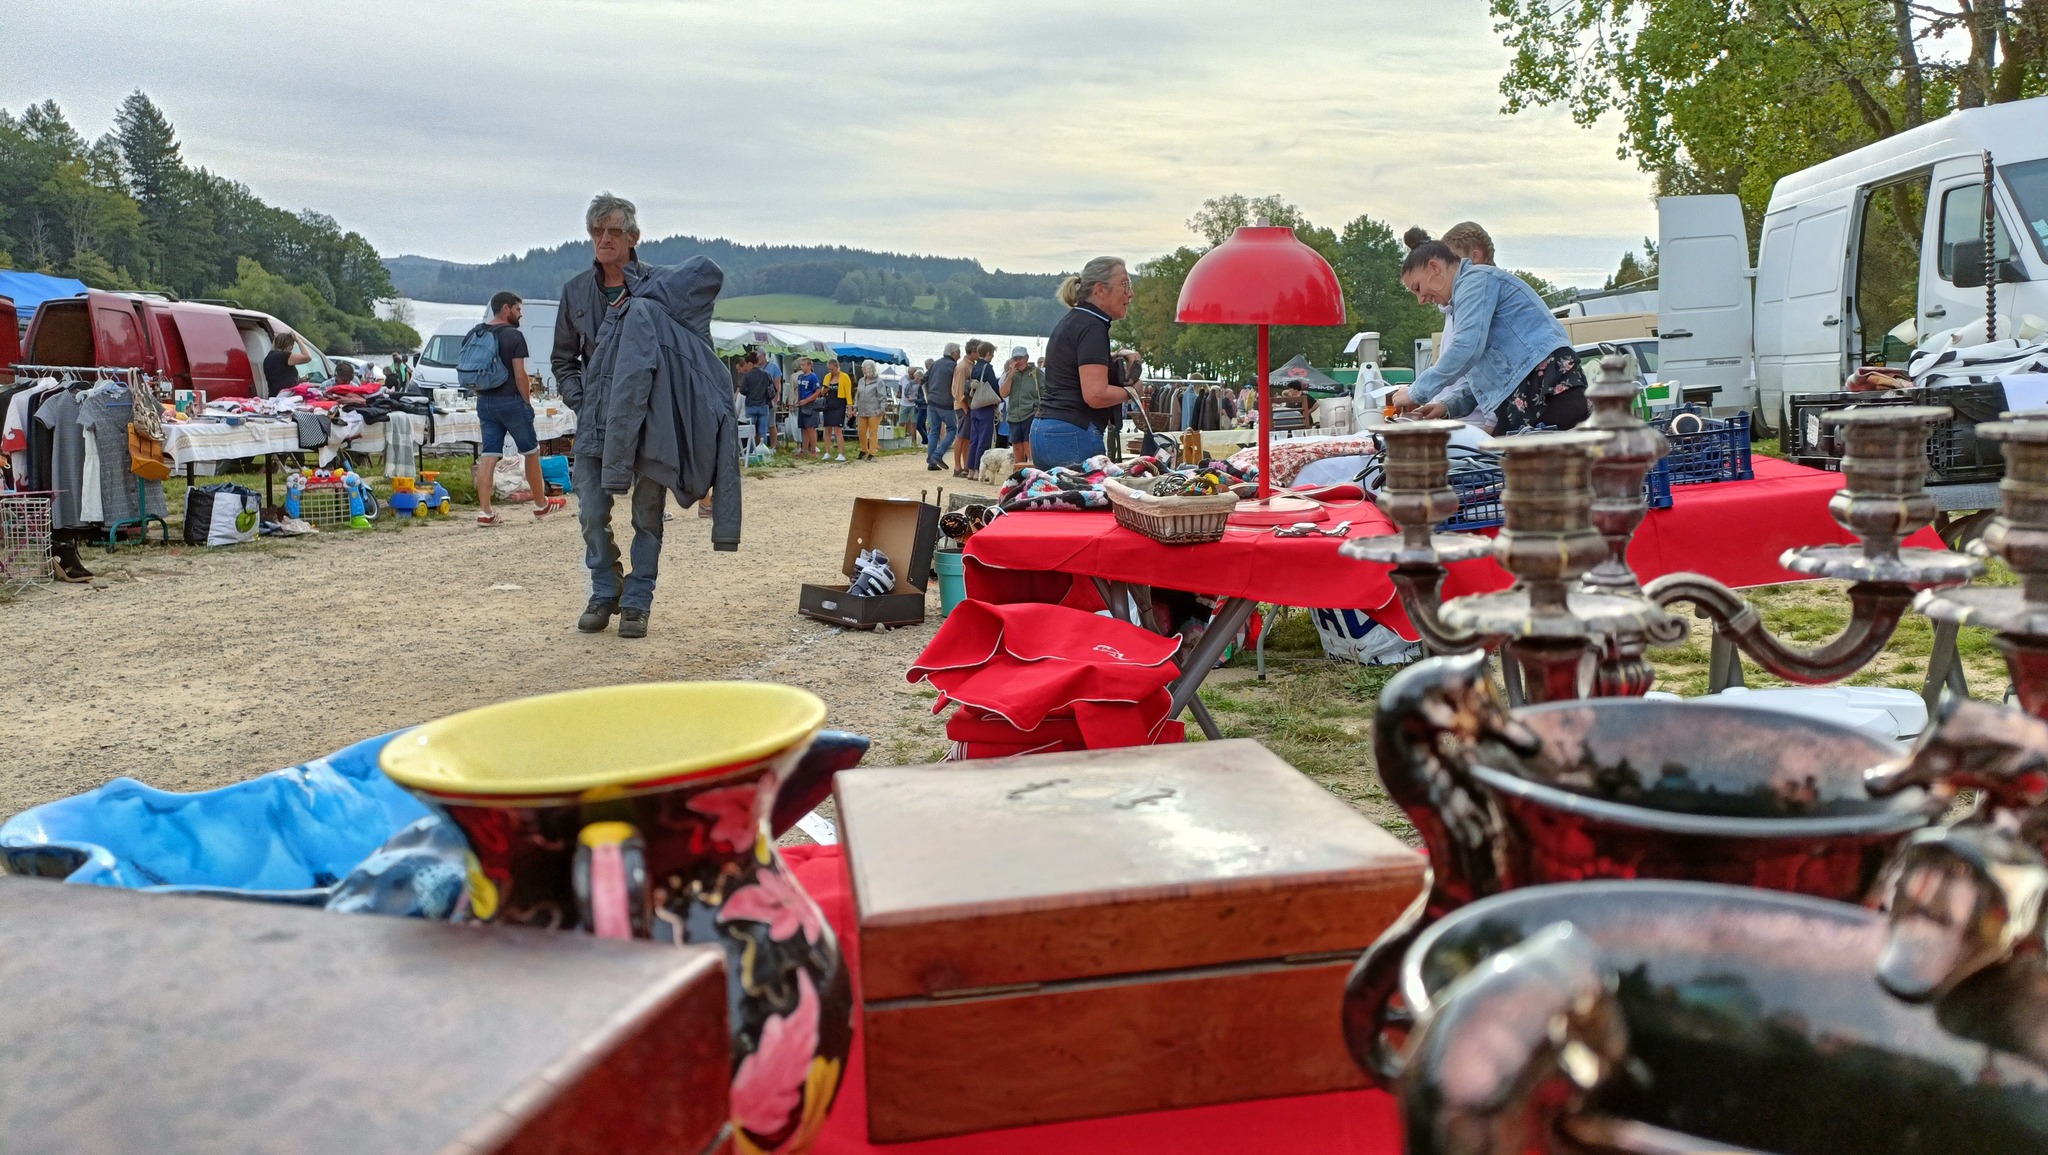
1170 520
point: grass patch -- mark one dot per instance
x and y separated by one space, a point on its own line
784 308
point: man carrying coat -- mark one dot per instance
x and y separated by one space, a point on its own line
588 298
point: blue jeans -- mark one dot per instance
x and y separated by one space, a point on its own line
763 418
981 433
634 591
1055 442
942 425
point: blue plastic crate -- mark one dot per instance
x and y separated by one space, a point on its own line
1718 452
1479 494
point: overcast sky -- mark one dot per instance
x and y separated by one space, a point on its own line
1031 134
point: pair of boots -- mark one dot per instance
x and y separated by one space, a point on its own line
598 614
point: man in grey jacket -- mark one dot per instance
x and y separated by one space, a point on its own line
587 299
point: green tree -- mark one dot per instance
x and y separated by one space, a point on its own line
1365 257
1731 95
149 152
1635 269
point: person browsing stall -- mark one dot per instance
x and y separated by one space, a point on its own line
506 411
809 406
1082 394
1515 358
759 389
942 424
838 396
1021 385
870 402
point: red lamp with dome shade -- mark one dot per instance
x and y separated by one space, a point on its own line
1263 275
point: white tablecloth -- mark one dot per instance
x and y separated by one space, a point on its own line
213 441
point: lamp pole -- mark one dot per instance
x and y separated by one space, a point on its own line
1265 421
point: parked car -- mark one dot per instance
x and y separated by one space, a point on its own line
215 349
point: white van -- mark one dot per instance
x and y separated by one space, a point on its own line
436 364
1884 242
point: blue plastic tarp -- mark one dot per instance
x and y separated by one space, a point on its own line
873 353
28 290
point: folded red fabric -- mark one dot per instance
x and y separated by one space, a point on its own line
1027 662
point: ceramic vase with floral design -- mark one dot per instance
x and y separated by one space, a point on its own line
646 811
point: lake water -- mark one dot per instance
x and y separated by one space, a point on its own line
917 344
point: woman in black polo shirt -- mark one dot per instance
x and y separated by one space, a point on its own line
1081 396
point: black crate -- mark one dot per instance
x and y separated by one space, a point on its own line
1955 454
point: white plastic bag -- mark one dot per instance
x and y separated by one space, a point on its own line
509 482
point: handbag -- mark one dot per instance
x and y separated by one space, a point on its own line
982 395
146 456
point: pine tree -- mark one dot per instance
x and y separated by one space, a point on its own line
149 152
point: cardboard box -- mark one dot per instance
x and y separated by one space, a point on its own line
1075 935
906 531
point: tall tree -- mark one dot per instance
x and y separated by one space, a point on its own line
1730 95
149 151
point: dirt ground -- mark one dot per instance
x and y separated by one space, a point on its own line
190 668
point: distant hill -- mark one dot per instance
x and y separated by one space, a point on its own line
909 291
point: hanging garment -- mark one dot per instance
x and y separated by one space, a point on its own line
90 503
401 445
58 415
110 410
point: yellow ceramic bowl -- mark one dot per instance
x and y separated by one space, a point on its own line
603 739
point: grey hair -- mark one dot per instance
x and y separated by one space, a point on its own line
953 349
605 205
1081 288
869 369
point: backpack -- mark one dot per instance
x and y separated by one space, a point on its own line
478 365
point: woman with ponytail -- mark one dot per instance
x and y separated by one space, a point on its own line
1083 392
1502 348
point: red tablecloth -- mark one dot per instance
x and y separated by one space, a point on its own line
1350 1123
1732 530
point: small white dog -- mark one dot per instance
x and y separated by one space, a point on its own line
997 465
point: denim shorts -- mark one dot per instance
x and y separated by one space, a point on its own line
504 413
1020 431
1055 442
808 418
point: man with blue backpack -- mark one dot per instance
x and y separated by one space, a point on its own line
493 364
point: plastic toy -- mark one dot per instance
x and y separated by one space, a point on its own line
361 503
404 501
294 485
439 501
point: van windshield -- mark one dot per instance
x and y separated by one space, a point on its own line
2028 182
442 351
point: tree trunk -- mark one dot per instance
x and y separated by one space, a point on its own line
1983 18
1909 62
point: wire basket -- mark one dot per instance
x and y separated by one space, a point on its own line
1170 520
25 558
325 506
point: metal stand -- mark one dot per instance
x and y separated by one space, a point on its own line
143 518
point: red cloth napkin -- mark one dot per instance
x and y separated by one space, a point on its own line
1340 1123
1028 662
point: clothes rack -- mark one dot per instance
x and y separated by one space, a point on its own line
87 378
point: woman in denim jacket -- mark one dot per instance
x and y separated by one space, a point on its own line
1515 358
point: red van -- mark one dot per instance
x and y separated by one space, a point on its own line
212 348
10 339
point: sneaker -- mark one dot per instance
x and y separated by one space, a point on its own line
932 467
632 623
597 615
839 457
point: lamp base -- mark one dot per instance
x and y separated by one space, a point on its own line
1279 509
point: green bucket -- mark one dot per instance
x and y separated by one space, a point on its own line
951 565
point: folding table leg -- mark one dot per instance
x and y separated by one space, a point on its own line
1944 668
1230 617
1724 665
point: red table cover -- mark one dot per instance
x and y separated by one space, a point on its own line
1731 530
1346 1123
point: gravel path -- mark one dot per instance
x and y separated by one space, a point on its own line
192 668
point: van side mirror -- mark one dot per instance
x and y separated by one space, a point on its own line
1966 265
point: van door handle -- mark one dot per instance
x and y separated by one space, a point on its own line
1674 334
1831 321
1937 311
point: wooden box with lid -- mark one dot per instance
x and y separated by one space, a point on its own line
191 1026
1076 935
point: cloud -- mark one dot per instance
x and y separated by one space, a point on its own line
1031 136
